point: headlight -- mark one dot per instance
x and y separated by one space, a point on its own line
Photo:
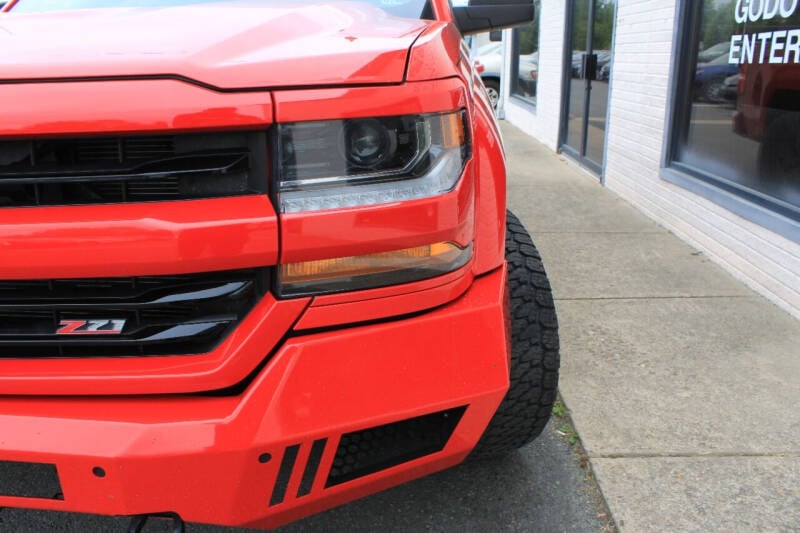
357 162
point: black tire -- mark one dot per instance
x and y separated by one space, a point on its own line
528 403
493 91
779 152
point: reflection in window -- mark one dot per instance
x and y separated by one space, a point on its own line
739 124
525 58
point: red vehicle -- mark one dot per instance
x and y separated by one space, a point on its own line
256 260
768 111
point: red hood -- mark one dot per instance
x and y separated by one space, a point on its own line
235 45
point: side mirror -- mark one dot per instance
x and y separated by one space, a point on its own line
486 15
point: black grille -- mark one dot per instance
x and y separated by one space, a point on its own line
98 170
149 315
368 451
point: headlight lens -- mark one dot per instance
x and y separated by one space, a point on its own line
357 162
368 143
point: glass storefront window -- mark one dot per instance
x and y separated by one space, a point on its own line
591 37
525 58
738 120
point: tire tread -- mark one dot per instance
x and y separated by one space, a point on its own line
534 364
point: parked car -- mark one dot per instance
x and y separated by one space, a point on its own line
490 56
713 52
605 72
576 66
709 79
603 58
730 88
256 261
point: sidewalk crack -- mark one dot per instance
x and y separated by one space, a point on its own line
701 455
677 297
534 232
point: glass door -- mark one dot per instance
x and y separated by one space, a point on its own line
588 72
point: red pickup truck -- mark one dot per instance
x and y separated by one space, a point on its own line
255 259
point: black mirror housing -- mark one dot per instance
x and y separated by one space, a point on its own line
488 15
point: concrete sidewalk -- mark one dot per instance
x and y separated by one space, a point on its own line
683 384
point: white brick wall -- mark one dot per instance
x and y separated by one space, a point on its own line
640 85
543 122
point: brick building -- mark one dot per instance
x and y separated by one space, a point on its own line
690 110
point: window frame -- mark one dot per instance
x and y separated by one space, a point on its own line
514 67
767 211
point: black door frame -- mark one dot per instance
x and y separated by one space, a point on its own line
563 147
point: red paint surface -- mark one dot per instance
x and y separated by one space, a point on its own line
137 239
440 343
126 106
251 45
198 456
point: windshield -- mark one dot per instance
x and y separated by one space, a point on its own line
398 8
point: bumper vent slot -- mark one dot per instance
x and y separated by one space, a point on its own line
374 449
149 315
284 475
103 170
30 480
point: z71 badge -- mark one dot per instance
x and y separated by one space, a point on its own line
100 326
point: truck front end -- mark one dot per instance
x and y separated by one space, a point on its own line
247 274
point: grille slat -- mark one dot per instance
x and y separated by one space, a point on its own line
150 315
94 170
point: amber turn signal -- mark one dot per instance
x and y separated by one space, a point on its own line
372 270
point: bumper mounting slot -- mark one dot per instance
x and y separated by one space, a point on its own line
30 480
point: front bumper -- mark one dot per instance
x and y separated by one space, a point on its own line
264 457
